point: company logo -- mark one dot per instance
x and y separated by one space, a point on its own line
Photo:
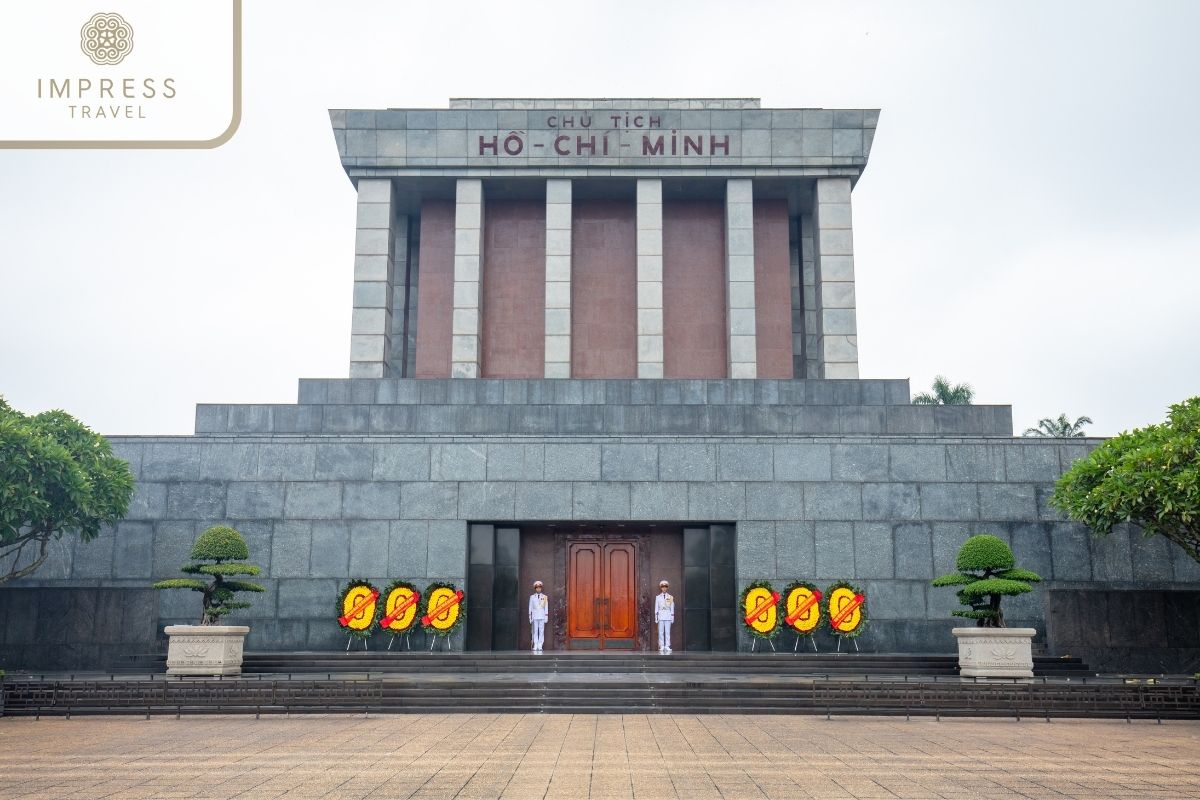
106 38
69 75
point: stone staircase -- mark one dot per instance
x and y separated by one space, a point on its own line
691 683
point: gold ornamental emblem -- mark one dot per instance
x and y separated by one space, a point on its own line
106 38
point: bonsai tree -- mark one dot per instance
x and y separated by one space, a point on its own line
1149 476
1061 428
987 574
57 478
226 549
945 394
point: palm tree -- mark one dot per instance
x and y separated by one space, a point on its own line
1061 428
943 394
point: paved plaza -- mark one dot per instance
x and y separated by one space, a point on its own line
589 756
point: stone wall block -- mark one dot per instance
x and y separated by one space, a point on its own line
949 501
833 501
307 598
687 462
1032 463
717 502
607 500
255 500
458 462
1070 548
795 550
149 501
745 462
290 461
1031 548
891 501
408 548
656 501
802 462
517 462
775 501
914 551
370 500
873 551
571 462
544 500
632 462
343 462
314 500
432 500
195 500
447 550
834 551
1007 501
855 462
918 462
330 556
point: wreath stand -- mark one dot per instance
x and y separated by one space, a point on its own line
350 641
754 644
811 640
434 639
406 635
853 639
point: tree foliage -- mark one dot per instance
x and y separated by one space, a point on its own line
943 393
57 477
227 550
1061 428
987 573
1149 477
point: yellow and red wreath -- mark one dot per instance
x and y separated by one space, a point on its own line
846 609
445 608
358 608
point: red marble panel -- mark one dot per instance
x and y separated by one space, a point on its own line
772 289
603 289
435 289
514 289
695 343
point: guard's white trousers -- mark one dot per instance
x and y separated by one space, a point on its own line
664 634
539 633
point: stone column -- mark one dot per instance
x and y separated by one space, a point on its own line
833 242
397 366
649 278
558 278
374 271
811 368
468 270
739 278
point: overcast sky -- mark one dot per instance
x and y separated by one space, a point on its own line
1029 220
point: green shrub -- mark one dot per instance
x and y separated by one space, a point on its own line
987 574
1149 477
57 478
225 547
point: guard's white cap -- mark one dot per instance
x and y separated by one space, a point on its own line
664 583
538 583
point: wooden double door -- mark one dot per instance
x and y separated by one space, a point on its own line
602 589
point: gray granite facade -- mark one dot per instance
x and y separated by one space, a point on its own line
822 478
334 498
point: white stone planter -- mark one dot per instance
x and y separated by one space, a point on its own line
995 652
205 649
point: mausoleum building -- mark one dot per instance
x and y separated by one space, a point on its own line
600 343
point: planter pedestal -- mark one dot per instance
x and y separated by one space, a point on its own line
995 652
205 649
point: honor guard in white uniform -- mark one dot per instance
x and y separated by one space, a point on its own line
539 612
664 615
